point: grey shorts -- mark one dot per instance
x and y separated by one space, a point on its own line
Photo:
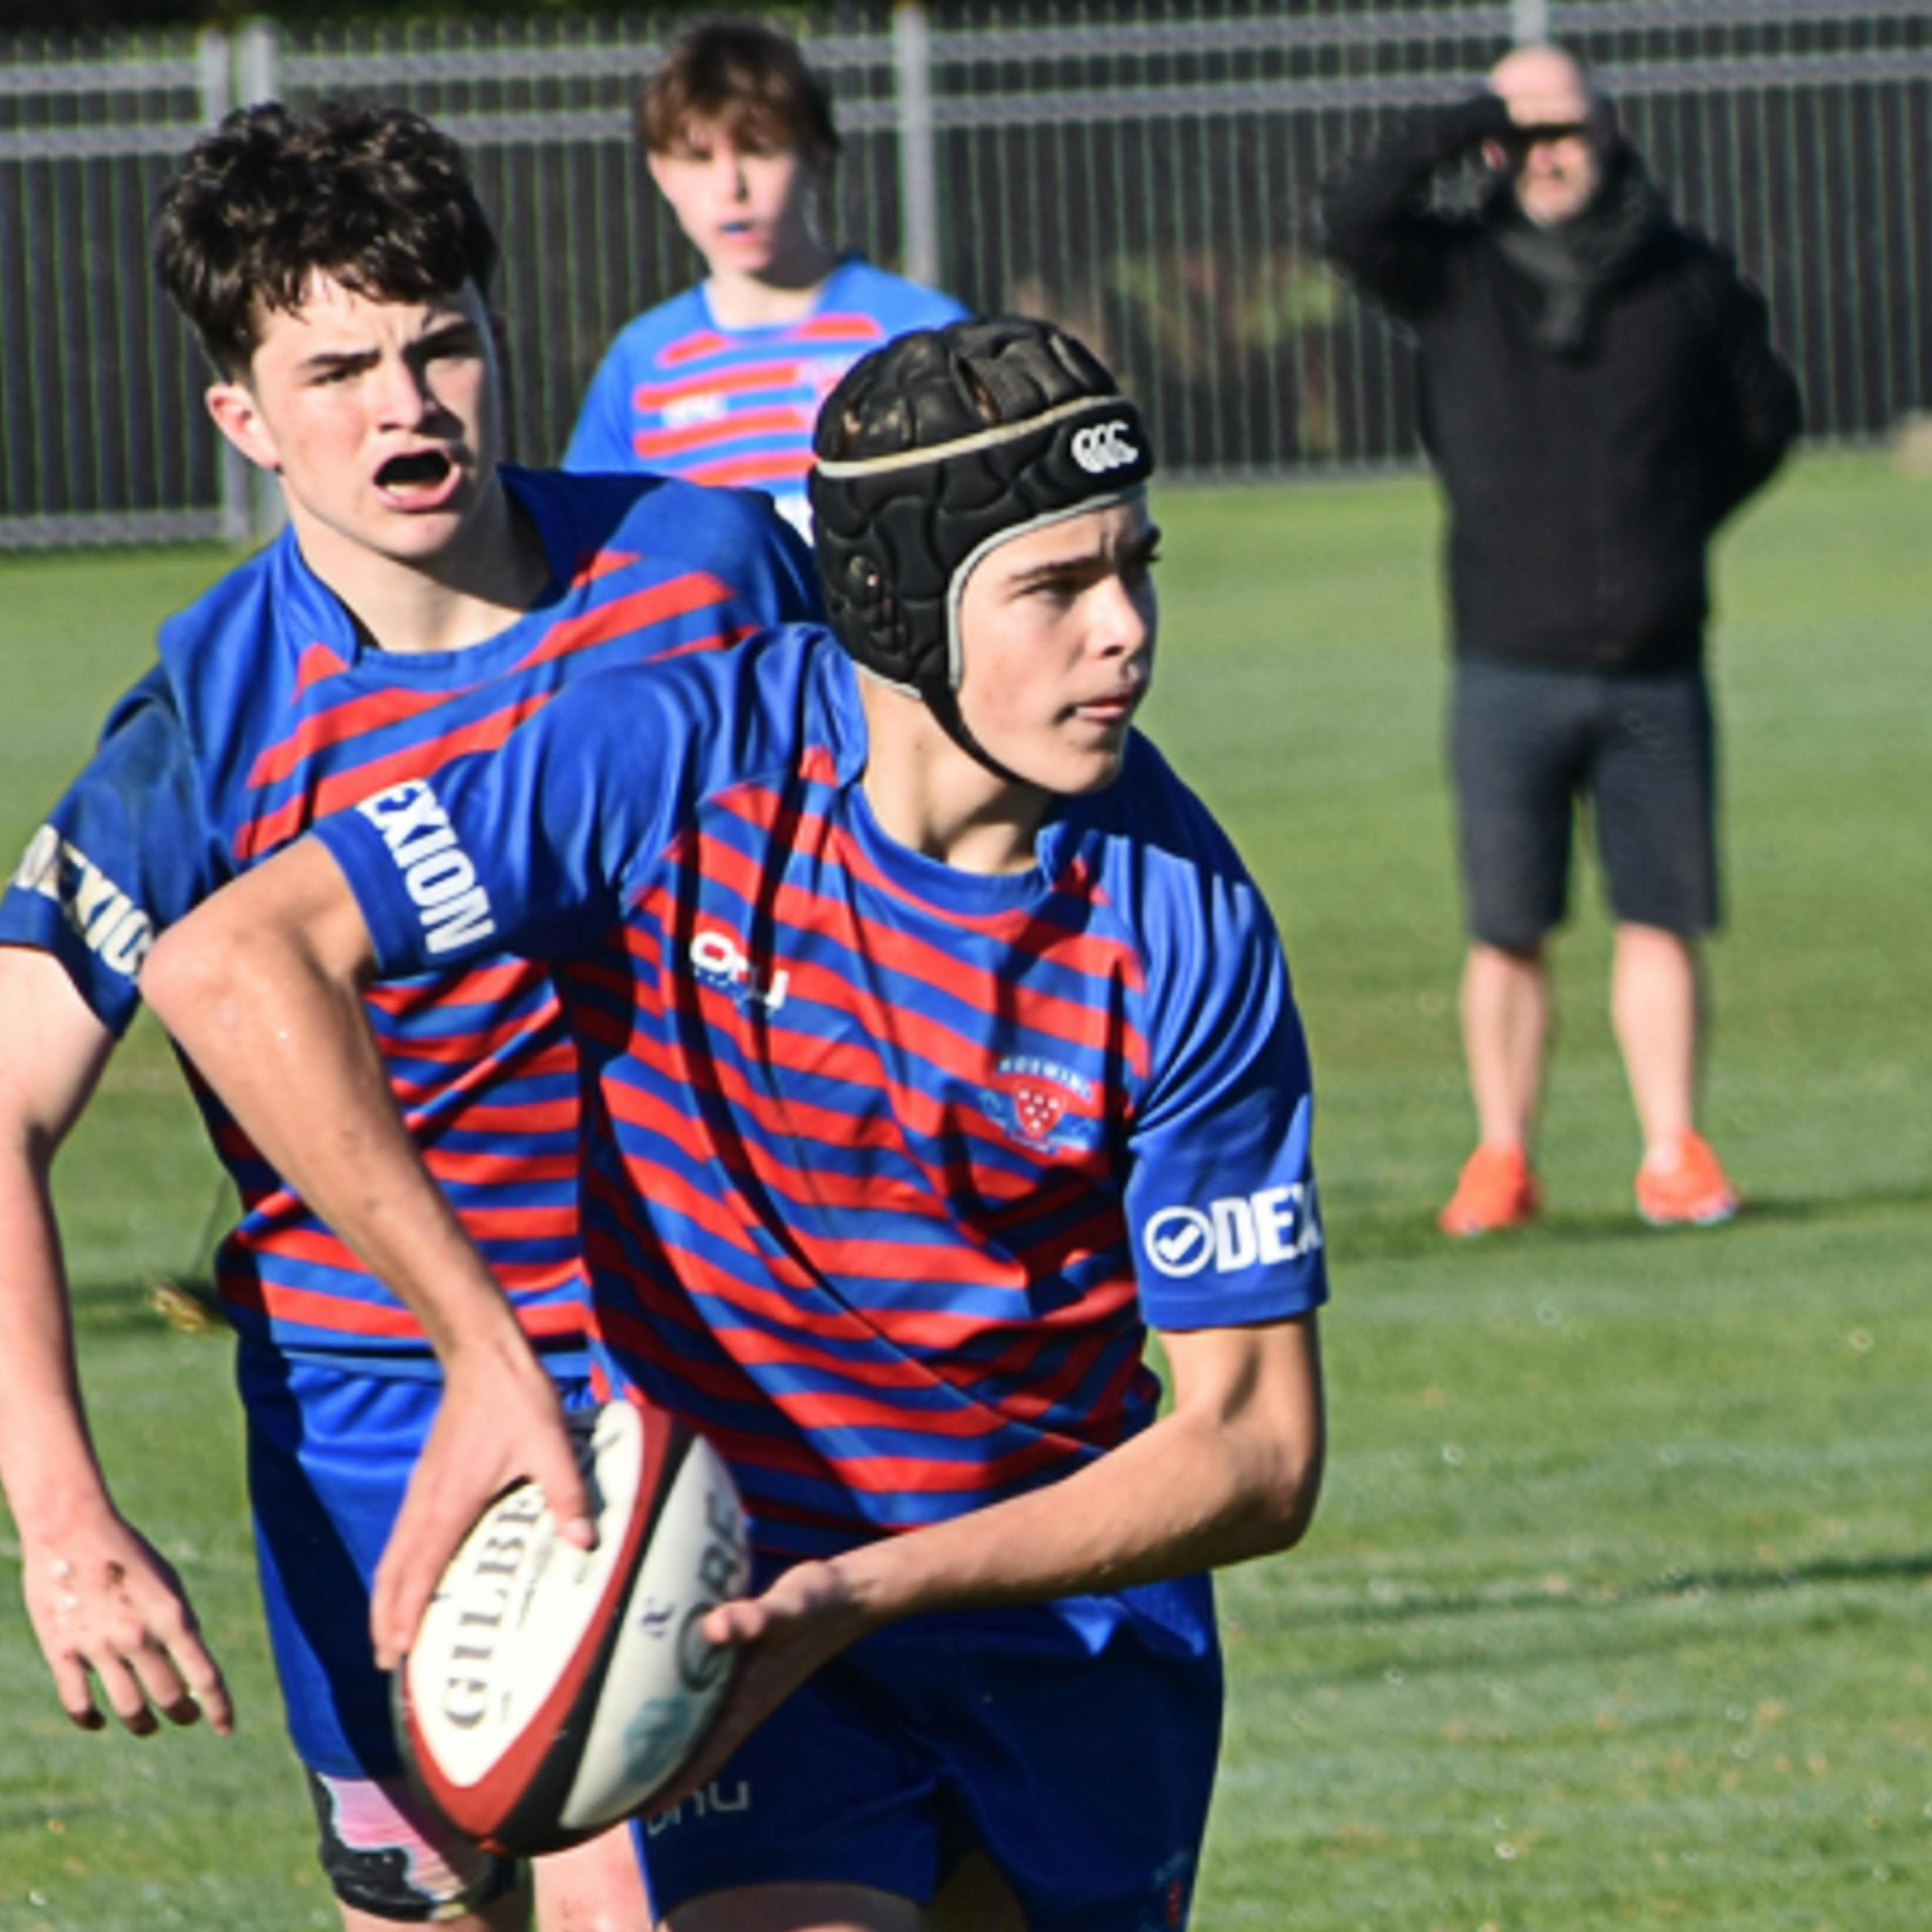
1526 743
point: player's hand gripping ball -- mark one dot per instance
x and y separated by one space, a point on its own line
551 1690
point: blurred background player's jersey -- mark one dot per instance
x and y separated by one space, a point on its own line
678 394
270 709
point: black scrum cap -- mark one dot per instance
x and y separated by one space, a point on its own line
933 449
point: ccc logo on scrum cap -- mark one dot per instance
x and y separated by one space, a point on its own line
1101 447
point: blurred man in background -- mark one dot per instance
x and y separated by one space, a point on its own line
1599 392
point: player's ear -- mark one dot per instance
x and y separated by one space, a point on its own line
1495 156
239 417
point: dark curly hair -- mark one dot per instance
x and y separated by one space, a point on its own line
374 196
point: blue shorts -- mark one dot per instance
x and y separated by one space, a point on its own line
330 1455
1074 1743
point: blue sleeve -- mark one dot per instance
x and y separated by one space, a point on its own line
127 850
1220 1199
528 849
791 593
601 440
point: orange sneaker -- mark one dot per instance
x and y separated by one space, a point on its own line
1496 1190
1685 1185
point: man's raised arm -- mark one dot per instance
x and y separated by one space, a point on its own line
1373 217
262 985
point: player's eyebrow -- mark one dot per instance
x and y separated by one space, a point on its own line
452 331
1103 557
324 361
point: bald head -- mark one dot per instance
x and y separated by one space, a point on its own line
1546 87
1567 128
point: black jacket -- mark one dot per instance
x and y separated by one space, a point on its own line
1583 487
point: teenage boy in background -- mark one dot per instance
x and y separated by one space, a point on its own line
945 1045
722 383
422 600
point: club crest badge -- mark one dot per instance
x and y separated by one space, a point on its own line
1043 1105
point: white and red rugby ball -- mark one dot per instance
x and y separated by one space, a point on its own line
551 1690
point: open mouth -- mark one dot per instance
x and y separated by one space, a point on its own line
421 470
1109 711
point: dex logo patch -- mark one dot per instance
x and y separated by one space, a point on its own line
1101 447
1238 1231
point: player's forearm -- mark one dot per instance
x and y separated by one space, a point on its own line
48 1466
1217 1480
52 1049
275 1022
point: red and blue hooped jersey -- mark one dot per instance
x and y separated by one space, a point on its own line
887 1164
680 395
268 709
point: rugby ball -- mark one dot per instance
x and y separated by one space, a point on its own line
551 1690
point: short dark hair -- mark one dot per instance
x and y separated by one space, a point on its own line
375 197
748 78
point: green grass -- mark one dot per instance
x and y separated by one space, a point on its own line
1614 1614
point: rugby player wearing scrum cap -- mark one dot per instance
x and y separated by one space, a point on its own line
946 1048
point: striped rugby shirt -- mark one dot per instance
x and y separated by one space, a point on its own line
888 1163
268 709
679 394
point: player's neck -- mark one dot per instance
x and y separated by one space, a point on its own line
786 289
933 798
465 596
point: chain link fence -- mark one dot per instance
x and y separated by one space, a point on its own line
1143 172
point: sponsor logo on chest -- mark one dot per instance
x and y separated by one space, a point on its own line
719 961
687 411
437 873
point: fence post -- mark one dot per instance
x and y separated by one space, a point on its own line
918 175
255 63
236 479
256 47
1529 22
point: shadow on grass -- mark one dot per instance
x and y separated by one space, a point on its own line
1387 1237
1404 1606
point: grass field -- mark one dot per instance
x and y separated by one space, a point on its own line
1615 1614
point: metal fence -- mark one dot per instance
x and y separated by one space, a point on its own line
1143 173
